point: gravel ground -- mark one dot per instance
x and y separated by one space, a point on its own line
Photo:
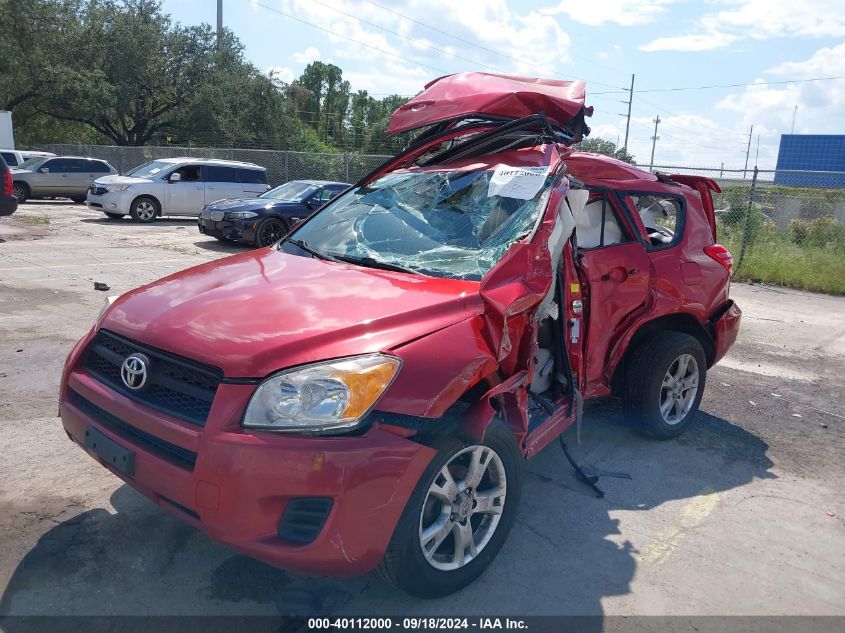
743 515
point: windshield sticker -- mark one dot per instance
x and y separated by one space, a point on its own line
521 183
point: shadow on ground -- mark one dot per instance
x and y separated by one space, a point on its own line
562 558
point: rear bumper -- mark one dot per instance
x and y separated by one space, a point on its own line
8 205
239 484
725 329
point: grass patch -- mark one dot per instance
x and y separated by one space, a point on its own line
34 219
781 262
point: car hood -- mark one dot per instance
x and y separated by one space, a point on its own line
251 204
116 179
261 311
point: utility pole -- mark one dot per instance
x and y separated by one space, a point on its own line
747 152
654 142
794 114
219 22
628 120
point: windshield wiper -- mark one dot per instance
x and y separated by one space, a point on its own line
312 251
370 262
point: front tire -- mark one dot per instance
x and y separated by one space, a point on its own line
144 209
20 191
458 517
113 216
270 231
664 382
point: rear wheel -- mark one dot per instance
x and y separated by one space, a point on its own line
144 210
20 191
458 516
664 382
270 231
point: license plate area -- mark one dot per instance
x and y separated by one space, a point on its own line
110 451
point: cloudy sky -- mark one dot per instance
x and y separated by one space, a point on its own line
395 46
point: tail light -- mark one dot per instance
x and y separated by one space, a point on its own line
719 253
7 183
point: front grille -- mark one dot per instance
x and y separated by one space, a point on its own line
176 386
176 455
97 191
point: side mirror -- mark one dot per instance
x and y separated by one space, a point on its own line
314 203
175 177
44 170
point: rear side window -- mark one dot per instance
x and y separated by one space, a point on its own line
216 173
596 220
10 158
662 217
98 166
252 176
79 165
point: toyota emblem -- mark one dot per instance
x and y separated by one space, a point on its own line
134 370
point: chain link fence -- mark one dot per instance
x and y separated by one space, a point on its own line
281 165
785 227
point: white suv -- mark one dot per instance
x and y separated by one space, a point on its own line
175 186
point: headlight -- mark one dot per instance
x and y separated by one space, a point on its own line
240 215
325 396
117 187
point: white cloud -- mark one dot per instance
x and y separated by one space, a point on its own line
622 12
307 56
759 20
280 74
701 42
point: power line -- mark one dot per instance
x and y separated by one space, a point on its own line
756 83
346 37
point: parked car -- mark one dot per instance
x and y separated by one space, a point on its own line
364 395
15 157
8 202
175 186
264 220
58 177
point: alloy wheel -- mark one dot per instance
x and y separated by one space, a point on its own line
145 210
270 232
678 390
19 191
462 508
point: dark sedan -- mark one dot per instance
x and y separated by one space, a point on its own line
264 220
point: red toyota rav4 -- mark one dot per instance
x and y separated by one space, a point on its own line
364 393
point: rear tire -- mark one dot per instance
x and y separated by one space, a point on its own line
20 191
664 382
424 557
144 209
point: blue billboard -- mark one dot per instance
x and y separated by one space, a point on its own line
811 152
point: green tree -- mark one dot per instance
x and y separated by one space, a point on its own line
608 148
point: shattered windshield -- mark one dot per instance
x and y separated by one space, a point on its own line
442 223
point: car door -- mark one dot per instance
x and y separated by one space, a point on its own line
51 177
221 182
185 196
79 176
615 269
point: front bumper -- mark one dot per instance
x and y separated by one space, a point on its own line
239 230
240 483
111 202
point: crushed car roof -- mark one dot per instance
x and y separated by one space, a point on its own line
463 95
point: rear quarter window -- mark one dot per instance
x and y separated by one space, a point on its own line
10 159
99 167
662 216
215 173
252 176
